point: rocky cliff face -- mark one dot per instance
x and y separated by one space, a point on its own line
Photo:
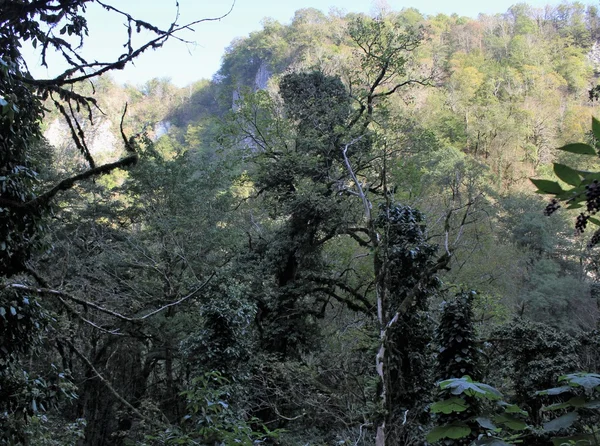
261 82
100 138
594 57
262 77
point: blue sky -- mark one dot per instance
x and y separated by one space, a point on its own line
186 63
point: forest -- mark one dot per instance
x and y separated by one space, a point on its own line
363 230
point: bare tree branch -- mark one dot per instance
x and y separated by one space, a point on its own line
67 183
109 386
85 303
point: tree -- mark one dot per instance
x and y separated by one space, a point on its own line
25 201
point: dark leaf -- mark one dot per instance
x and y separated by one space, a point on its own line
579 148
566 174
562 422
453 431
547 186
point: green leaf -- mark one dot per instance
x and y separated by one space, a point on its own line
513 408
547 186
594 220
511 422
578 148
466 385
492 442
573 439
566 174
554 391
486 423
562 422
455 404
576 401
596 128
586 380
454 431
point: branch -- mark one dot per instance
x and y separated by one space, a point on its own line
361 193
363 305
109 385
103 67
180 301
67 183
62 295
78 315
407 302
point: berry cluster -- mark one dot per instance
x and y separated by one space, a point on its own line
592 197
552 207
581 223
595 239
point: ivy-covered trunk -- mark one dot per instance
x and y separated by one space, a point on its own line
405 274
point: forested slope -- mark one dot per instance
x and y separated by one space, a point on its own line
313 240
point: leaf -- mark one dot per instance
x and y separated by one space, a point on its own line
513 408
455 404
454 431
511 422
566 174
578 148
492 442
466 385
585 380
562 422
575 205
576 401
596 128
554 391
486 423
594 220
573 439
547 186
492 392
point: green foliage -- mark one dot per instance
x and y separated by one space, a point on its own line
407 254
275 222
581 418
211 419
458 354
533 356
20 114
473 411
584 190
